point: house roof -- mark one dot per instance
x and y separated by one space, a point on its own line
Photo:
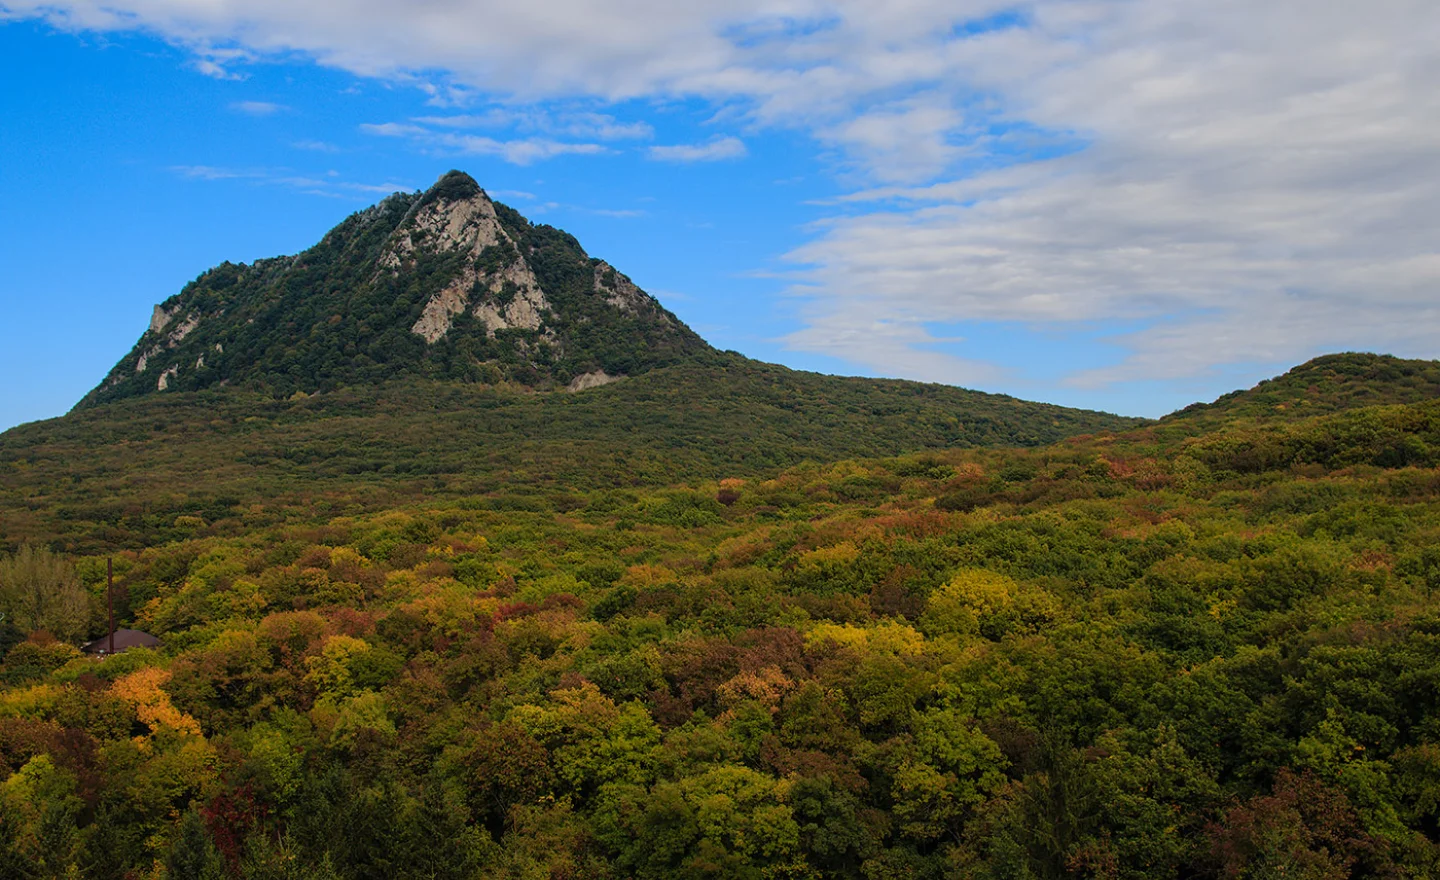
125 639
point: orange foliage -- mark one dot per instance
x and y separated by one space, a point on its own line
766 685
142 690
645 575
965 474
916 524
1374 560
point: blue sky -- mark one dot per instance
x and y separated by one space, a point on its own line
1091 202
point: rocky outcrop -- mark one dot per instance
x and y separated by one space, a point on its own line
183 329
502 296
594 379
443 225
441 310
526 301
618 290
159 320
161 317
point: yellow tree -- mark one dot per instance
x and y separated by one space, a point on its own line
39 590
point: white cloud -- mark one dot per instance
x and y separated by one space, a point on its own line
316 146
1244 181
1259 186
491 119
329 185
518 151
909 142
617 213
214 69
211 172
257 108
893 348
541 132
394 129
574 123
713 151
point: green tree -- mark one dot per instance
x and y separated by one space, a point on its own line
192 855
40 590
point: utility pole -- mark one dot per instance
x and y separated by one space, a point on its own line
110 597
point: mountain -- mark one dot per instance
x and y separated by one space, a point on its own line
447 284
1328 384
424 346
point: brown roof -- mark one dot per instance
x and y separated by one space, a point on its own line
125 639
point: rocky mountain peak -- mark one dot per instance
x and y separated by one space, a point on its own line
495 284
446 283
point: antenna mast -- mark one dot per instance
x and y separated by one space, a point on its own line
110 598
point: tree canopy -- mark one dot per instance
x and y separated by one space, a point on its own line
1117 656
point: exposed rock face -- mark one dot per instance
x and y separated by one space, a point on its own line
502 293
618 290
159 320
166 376
160 317
440 312
594 379
185 328
527 302
467 224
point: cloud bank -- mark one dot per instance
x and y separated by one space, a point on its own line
1242 182
715 150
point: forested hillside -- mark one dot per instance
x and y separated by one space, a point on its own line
1327 384
1118 656
118 475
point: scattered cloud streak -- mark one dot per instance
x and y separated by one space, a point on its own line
257 108
576 124
329 184
210 172
716 150
518 151
316 146
617 213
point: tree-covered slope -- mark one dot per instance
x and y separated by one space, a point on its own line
446 285
1323 385
1103 658
122 472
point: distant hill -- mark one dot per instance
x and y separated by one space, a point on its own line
1328 384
